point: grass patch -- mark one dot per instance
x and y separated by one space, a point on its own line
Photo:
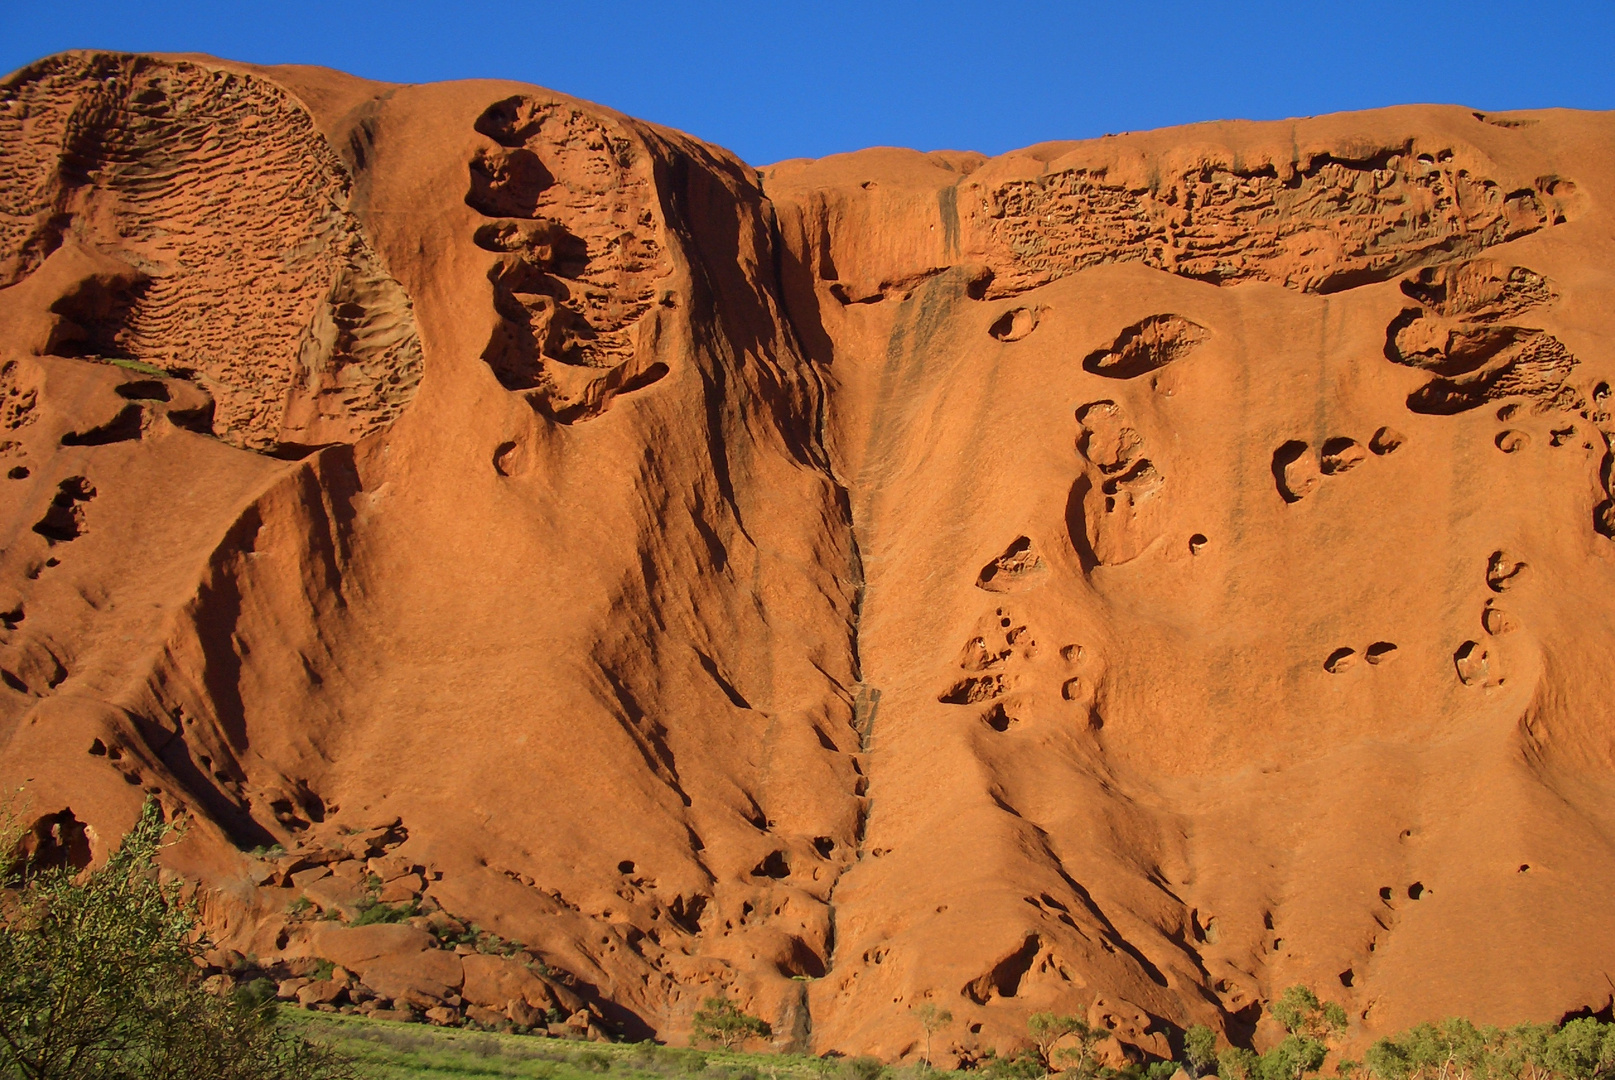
388 1050
138 366
374 912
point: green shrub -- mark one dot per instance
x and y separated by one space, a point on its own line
592 1061
256 994
1022 1066
98 979
375 912
1455 1049
1237 1063
1047 1028
1582 1049
1199 1050
862 1067
1311 1026
721 1022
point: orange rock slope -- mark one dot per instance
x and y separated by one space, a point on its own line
1129 576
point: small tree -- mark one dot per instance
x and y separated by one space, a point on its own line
1047 1028
722 1022
1311 1025
1301 1013
1200 1050
1583 1049
97 980
932 1020
1238 1063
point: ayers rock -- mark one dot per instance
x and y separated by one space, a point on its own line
1131 576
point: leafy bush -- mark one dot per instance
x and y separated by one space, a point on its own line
256 994
1580 1050
1047 1029
1199 1050
377 912
1238 1063
665 1060
722 1022
863 1067
1455 1049
1021 1066
1311 1027
98 979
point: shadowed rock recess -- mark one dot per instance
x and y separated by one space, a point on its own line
1125 577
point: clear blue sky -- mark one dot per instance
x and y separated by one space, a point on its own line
772 81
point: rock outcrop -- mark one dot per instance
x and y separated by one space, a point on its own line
557 570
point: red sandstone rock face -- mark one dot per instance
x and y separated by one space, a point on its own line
1126 577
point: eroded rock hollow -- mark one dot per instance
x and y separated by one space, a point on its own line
1129 576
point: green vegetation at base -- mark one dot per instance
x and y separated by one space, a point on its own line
1311 1028
1456 1050
97 979
1067 1045
1580 1049
720 1022
1583 1049
388 1050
